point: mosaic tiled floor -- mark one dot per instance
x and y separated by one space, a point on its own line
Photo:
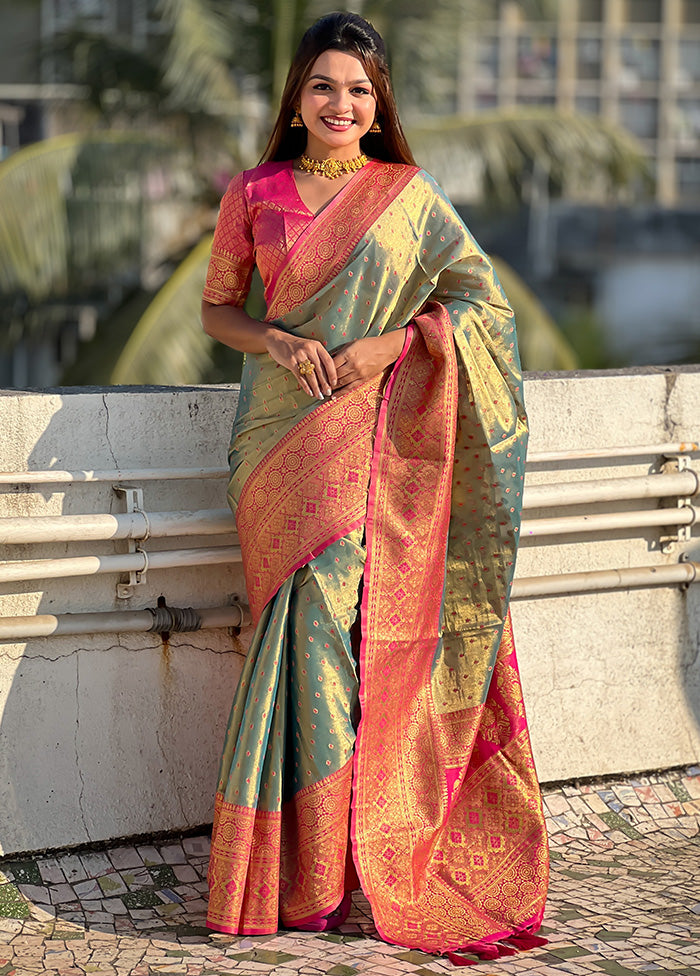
625 898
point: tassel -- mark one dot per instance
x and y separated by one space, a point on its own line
458 960
526 940
506 950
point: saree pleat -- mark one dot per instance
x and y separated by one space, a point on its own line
283 797
408 492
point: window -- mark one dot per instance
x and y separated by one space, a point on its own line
688 63
640 61
487 59
640 116
588 105
687 123
537 57
81 8
688 176
589 57
590 11
691 11
528 99
486 103
643 11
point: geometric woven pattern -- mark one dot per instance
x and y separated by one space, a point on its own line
623 901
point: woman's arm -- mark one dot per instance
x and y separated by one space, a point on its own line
232 326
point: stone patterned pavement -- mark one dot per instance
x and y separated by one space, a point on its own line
624 898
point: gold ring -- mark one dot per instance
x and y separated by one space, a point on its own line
306 367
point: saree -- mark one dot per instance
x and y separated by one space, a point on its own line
378 736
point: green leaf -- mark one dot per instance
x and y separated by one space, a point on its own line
71 211
504 146
168 344
197 72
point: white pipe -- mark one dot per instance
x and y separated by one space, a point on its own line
132 525
139 561
605 579
565 525
160 525
643 450
55 477
684 484
139 525
111 622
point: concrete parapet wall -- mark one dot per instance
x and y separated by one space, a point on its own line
105 736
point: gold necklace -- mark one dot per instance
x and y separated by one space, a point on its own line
331 168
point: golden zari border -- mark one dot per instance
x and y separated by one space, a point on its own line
270 866
244 867
308 490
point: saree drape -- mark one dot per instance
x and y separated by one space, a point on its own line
378 731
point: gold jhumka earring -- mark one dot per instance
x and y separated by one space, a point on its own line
375 127
297 121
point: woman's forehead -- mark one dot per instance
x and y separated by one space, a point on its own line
339 66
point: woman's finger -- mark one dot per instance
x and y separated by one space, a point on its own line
328 367
312 378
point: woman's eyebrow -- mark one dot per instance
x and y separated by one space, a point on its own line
360 81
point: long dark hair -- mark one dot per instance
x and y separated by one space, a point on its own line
354 35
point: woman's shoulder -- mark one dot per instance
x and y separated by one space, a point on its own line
259 173
419 178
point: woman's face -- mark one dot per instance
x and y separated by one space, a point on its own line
337 106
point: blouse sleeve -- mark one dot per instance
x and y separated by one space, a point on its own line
232 257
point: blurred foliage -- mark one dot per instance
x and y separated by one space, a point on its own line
586 335
573 150
71 213
168 344
542 345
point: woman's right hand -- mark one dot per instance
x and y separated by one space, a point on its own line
290 350
234 327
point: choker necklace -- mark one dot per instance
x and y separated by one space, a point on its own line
331 168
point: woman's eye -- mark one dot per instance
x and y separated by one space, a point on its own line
321 86
361 91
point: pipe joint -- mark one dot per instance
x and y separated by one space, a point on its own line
174 620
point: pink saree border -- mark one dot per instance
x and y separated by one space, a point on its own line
325 213
323 249
395 848
287 516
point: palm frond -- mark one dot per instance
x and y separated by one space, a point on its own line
168 344
542 345
70 208
197 73
504 146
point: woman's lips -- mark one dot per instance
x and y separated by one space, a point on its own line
337 125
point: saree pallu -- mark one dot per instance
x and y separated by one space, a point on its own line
378 731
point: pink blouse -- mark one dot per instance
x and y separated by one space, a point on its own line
261 217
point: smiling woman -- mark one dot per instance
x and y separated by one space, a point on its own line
378 735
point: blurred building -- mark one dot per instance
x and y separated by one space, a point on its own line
35 101
633 62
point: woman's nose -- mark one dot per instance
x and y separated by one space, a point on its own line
341 100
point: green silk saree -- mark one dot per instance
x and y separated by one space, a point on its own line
378 735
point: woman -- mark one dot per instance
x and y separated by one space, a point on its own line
377 736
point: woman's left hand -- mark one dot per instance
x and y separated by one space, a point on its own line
361 360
